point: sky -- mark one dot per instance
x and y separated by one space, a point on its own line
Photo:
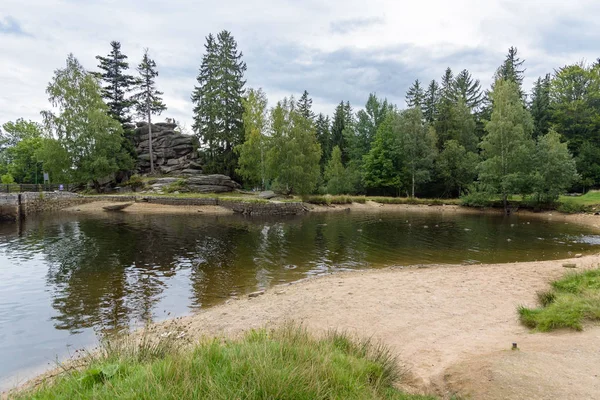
336 49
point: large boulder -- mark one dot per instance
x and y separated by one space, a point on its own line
173 152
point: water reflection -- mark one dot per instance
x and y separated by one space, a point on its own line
64 275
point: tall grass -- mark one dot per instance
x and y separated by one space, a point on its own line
571 301
287 363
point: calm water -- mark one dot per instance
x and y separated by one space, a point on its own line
62 277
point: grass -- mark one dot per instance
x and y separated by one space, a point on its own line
409 200
287 363
572 300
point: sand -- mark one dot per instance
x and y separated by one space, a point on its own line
146 208
452 326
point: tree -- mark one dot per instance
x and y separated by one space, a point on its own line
323 132
555 168
468 89
430 103
22 139
415 97
445 107
148 100
85 142
540 106
418 146
117 83
294 155
457 167
511 70
336 175
341 120
305 106
461 126
218 105
252 153
507 146
381 166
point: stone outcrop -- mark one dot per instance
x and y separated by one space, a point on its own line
195 184
174 153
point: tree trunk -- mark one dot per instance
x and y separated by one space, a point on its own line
505 202
150 144
413 185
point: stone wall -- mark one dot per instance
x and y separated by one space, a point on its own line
40 202
264 208
9 207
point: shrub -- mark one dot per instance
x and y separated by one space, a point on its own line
135 182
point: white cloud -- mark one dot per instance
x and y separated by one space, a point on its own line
339 49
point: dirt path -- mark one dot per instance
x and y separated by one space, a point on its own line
452 326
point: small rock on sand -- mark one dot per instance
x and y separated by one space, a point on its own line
578 255
256 294
569 265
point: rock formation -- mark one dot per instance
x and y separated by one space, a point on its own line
174 153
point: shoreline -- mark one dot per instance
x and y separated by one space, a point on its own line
451 325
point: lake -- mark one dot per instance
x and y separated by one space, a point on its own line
65 277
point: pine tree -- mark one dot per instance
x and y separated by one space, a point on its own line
445 107
116 83
304 106
218 102
511 70
540 106
415 97
323 132
469 89
340 120
430 103
148 100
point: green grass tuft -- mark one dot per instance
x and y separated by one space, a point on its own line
572 300
286 363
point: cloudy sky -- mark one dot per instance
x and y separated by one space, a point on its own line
335 49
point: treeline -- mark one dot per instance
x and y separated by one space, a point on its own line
455 137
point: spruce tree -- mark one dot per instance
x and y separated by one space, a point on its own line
540 106
511 70
323 132
116 83
430 103
218 102
304 106
148 100
469 89
445 107
415 97
340 122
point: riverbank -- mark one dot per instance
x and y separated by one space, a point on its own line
451 326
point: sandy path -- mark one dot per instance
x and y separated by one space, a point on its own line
147 208
452 326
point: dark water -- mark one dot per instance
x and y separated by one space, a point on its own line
62 277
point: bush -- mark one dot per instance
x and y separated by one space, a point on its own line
286 363
135 182
7 179
478 200
178 186
571 207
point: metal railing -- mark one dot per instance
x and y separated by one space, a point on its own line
30 187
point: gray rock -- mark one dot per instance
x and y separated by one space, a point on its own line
269 194
192 171
256 294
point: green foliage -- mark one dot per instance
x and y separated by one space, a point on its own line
554 170
19 143
86 144
507 146
336 175
468 89
431 101
573 300
456 167
381 166
342 123
304 106
418 148
218 102
287 363
252 153
415 97
540 106
478 199
7 179
294 155
116 83
135 182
